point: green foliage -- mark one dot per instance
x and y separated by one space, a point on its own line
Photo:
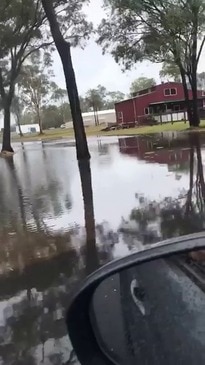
17 106
24 29
170 70
152 29
65 113
52 116
59 94
35 81
101 99
58 113
28 118
95 98
113 97
20 24
158 31
118 33
83 104
142 83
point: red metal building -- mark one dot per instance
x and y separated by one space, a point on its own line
164 102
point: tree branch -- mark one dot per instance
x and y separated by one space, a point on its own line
200 50
55 30
35 49
2 90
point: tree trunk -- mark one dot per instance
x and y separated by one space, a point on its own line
194 63
95 115
6 147
80 136
64 51
196 119
200 166
39 120
191 178
188 102
19 126
97 118
18 187
92 261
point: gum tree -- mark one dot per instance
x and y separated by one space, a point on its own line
36 85
63 47
170 70
20 35
24 30
158 31
142 83
17 108
95 99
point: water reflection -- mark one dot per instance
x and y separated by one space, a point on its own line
172 216
92 260
171 151
59 221
38 269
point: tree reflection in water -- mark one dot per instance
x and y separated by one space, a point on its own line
39 267
92 259
154 220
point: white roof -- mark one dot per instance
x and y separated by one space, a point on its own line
33 125
100 112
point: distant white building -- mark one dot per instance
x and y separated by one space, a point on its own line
104 117
28 128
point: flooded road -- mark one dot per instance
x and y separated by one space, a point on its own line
57 225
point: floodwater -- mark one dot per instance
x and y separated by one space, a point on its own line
60 221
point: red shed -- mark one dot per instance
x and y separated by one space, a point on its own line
164 103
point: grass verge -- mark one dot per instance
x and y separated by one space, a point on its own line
96 131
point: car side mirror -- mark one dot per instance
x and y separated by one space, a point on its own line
146 308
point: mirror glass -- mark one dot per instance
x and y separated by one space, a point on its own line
153 313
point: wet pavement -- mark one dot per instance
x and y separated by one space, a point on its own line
57 225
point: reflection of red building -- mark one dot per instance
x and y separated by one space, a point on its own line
154 151
165 103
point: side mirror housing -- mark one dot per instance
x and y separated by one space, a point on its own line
83 312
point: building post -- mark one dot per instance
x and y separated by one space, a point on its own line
135 113
172 118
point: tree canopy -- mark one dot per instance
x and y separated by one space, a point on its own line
142 83
95 97
150 29
24 29
54 116
101 99
37 94
170 70
36 83
157 31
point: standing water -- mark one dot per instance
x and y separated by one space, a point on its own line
57 225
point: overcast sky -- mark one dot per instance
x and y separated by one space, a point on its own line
92 68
